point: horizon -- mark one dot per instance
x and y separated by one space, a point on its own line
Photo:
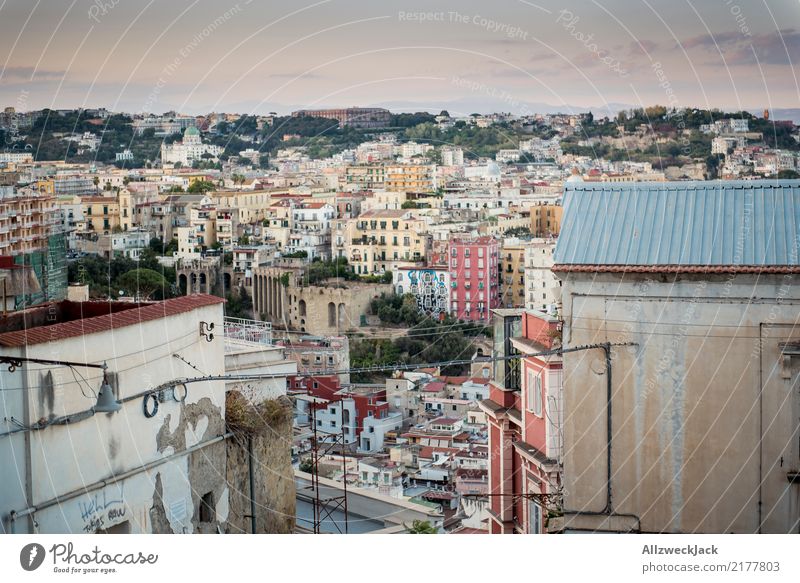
520 57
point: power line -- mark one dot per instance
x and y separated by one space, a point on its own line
388 368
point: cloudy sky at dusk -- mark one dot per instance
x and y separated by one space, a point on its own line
465 56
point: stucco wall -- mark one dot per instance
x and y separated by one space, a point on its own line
687 413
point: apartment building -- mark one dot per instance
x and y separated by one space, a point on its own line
512 273
101 214
379 240
26 220
545 220
474 268
410 178
525 415
542 286
364 177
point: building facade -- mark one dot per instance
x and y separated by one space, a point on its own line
474 268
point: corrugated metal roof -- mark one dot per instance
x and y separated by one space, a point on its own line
714 223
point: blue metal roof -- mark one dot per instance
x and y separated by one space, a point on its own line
716 223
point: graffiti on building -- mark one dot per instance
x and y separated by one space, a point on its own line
430 289
102 509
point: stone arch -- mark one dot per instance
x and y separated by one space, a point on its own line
331 315
342 316
183 283
301 306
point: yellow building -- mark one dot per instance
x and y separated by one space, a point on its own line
101 213
378 240
546 220
512 274
410 178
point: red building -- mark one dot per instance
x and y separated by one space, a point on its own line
474 278
524 414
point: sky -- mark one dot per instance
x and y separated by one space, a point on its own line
257 56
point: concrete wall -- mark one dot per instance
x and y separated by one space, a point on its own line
81 457
692 401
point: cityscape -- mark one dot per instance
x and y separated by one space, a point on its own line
481 310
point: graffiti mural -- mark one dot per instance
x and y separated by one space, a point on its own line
430 288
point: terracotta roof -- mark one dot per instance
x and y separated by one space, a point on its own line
98 324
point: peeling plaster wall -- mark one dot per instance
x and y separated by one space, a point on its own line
67 459
687 413
273 475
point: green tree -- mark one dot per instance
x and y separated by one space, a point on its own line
142 282
201 186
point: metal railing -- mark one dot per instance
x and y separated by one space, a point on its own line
253 331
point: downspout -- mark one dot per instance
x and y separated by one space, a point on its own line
609 509
760 422
26 414
607 351
252 486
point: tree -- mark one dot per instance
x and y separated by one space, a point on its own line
201 186
788 174
96 182
142 283
421 527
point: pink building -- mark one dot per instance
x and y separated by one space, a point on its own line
474 278
524 415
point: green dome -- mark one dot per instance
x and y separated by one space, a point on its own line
191 131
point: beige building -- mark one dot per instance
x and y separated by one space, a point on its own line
26 218
410 178
378 240
692 425
364 177
545 220
101 213
512 273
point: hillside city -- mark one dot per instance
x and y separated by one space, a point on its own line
357 320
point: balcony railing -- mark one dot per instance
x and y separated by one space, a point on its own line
252 331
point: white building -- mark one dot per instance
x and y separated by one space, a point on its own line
373 434
542 287
156 465
452 156
189 150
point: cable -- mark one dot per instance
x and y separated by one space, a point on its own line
179 357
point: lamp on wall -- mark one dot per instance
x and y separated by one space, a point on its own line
106 402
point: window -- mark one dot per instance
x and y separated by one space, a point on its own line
207 511
535 393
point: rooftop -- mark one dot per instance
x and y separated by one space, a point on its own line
76 319
740 226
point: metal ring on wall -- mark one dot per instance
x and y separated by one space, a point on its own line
183 394
151 412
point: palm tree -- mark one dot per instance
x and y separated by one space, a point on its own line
96 182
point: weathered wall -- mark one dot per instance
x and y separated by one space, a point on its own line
273 475
688 412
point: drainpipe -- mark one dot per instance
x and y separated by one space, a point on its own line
252 486
609 509
760 421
